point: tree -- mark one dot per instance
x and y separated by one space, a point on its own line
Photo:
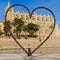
1 32
32 28
18 24
7 27
25 29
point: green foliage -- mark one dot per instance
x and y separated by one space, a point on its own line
18 24
14 31
1 32
7 27
31 28
25 28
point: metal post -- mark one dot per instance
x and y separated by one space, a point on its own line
29 52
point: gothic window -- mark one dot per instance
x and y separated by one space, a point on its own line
46 19
22 16
42 18
16 15
38 18
33 18
0 26
46 31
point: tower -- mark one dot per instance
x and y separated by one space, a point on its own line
10 14
8 5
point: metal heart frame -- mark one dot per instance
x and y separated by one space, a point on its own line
29 53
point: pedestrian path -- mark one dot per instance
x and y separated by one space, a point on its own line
33 57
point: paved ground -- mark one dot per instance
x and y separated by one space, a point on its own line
33 57
49 47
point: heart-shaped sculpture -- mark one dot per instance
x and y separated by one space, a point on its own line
30 15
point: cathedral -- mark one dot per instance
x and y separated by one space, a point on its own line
52 46
43 20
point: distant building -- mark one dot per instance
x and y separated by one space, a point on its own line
43 20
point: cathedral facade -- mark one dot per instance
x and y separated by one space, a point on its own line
42 20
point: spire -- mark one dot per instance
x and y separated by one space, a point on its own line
52 16
34 13
12 10
49 15
23 12
18 11
8 4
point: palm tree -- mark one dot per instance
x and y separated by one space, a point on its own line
32 28
7 27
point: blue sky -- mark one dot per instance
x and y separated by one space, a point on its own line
54 5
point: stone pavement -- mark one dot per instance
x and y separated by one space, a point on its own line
33 57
